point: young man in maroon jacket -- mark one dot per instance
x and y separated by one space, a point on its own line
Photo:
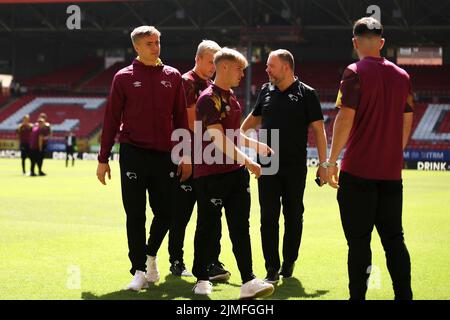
374 121
221 176
24 133
37 145
146 104
194 81
46 132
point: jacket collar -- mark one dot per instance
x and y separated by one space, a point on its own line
295 86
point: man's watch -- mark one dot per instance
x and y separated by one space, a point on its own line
327 164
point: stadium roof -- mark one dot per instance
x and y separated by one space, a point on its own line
53 1
408 21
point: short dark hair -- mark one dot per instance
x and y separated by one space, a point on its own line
367 26
285 56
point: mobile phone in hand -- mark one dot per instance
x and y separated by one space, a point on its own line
317 180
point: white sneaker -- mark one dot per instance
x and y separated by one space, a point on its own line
152 274
203 287
256 288
139 282
186 273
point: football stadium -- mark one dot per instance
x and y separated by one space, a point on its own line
65 235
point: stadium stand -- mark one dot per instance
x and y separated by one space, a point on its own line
445 124
3 100
83 114
316 64
433 133
65 78
431 126
325 77
102 81
63 112
428 79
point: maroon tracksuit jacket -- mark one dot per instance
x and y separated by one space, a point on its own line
146 103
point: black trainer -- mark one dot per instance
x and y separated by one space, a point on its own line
216 272
178 269
287 269
272 276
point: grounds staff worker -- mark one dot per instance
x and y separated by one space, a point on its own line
291 106
374 120
147 102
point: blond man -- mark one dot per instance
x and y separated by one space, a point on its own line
224 183
145 104
194 81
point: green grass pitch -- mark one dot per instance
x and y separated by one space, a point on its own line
63 237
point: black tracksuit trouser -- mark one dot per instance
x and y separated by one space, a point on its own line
284 188
182 206
230 191
143 171
364 204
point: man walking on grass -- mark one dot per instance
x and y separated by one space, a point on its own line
145 105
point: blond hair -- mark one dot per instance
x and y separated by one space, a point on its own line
207 46
142 31
229 54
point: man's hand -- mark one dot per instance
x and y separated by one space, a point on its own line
253 167
184 169
333 177
102 170
265 150
322 174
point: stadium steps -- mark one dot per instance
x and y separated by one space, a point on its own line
101 83
79 85
4 102
63 79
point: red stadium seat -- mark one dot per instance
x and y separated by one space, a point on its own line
89 119
102 82
65 78
443 127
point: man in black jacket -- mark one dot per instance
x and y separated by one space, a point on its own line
287 106
71 142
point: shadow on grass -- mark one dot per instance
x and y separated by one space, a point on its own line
170 288
177 288
293 288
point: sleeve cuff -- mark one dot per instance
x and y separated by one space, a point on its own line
102 159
